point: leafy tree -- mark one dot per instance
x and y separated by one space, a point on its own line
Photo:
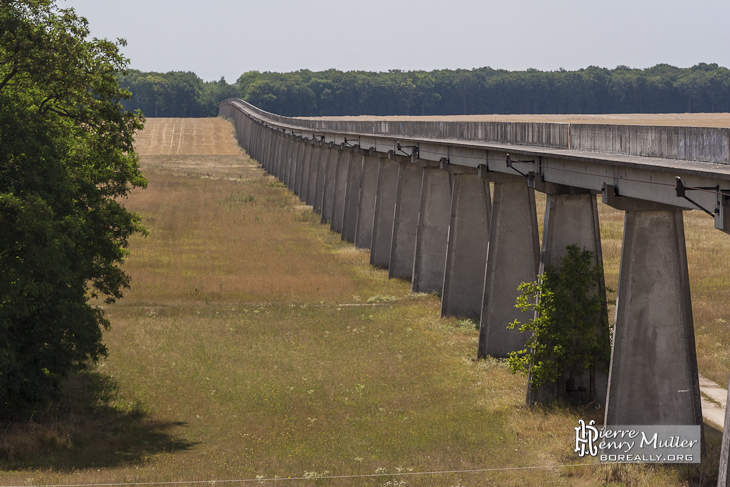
67 161
570 332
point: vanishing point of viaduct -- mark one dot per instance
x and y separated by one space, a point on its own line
417 195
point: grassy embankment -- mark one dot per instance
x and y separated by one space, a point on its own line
254 343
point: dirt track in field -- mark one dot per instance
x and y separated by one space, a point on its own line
186 137
659 119
193 147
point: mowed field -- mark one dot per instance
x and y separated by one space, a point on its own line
255 345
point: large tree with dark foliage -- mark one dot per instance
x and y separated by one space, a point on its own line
66 162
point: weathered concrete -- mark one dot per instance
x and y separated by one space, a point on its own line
297 155
405 222
683 143
433 231
352 198
328 195
366 203
466 249
323 162
384 213
340 194
653 378
313 170
723 475
571 219
304 174
290 151
513 258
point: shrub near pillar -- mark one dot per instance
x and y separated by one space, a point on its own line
571 218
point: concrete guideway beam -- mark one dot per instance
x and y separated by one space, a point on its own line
384 214
571 218
405 221
366 203
513 257
340 193
352 196
653 375
434 216
466 247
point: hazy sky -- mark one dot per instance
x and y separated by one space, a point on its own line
217 38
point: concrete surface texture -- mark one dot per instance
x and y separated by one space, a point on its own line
405 221
513 258
366 203
340 192
653 377
384 214
466 248
352 198
433 229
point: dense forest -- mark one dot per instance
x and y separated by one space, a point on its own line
660 89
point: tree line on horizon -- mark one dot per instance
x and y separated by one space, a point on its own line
659 89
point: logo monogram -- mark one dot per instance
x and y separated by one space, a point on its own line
585 438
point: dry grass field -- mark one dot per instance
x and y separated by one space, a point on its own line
255 345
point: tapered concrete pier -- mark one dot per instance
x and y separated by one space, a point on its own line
653 377
466 249
384 213
340 191
433 231
571 218
352 197
366 202
513 258
405 221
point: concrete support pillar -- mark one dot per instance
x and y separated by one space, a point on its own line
405 221
275 152
433 231
256 140
296 162
286 170
653 377
322 163
384 213
723 474
340 192
330 180
255 143
281 142
303 172
466 248
313 170
513 258
366 202
571 218
352 198
268 144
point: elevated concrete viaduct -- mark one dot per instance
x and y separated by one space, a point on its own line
417 195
